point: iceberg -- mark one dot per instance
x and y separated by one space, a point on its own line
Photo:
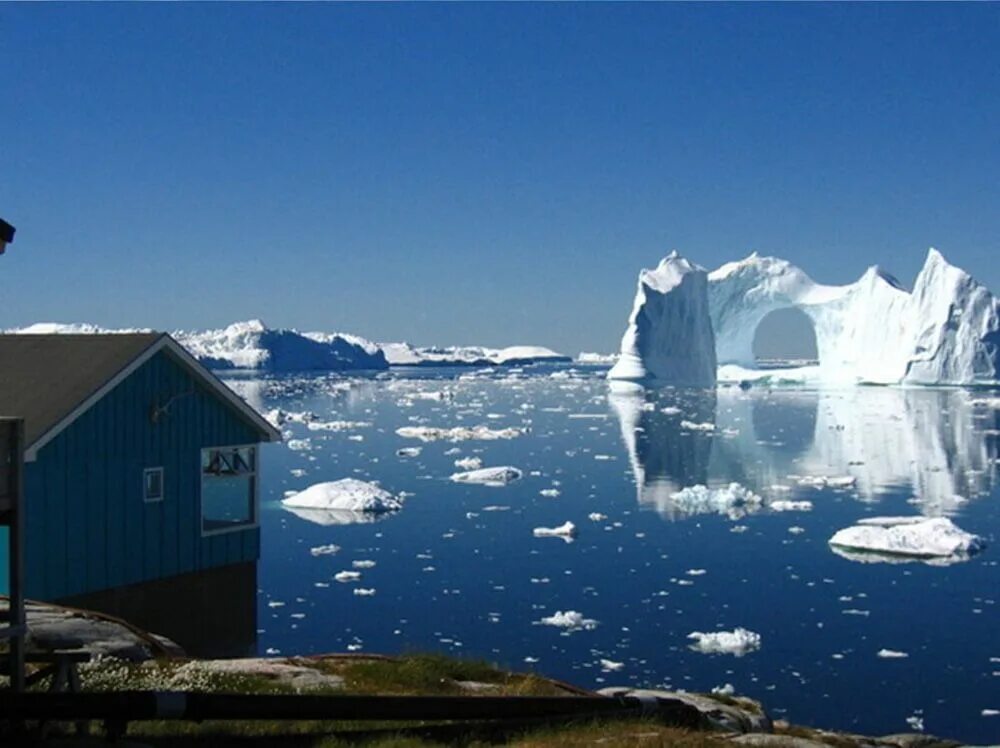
916 537
669 338
253 345
946 330
346 495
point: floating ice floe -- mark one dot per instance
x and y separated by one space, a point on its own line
610 666
469 463
739 642
597 517
549 493
409 452
783 505
347 494
491 476
566 531
458 433
336 425
734 501
934 540
324 550
570 620
891 654
347 576
693 426
827 481
586 357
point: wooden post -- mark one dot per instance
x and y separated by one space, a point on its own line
12 515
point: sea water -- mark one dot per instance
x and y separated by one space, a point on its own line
459 570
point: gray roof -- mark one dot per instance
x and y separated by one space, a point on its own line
45 378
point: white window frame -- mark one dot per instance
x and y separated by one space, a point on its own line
145 494
255 482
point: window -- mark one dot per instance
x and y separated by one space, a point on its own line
228 488
152 484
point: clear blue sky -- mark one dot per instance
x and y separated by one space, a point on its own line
483 173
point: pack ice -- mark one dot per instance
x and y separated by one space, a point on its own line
685 321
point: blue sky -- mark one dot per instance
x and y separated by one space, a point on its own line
481 173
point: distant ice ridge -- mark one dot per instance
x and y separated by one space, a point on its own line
404 354
936 538
253 345
945 331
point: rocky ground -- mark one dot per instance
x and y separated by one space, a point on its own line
124 657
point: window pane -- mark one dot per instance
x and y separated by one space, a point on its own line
226 502
154 484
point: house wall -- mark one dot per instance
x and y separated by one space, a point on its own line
87 527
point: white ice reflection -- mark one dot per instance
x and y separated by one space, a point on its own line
941 444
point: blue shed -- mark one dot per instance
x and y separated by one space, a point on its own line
140 464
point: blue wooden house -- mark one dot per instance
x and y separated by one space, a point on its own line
140 465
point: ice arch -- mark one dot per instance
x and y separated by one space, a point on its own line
946 331
785 335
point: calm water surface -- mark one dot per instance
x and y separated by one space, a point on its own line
458 569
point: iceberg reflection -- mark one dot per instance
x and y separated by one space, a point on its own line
939 444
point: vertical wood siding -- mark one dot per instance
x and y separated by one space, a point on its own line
87 526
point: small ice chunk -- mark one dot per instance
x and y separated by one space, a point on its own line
324 550
610 666
491 476
733 500
469 463
737 642
409 451
364 591
347 576
597 517
549 493
363 564
783 505
566 531
571 620
692 426
892 654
